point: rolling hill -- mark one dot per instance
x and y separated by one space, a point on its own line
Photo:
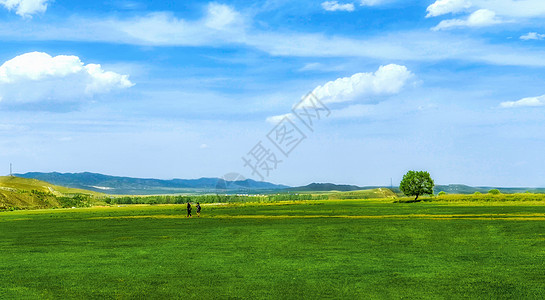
25 193
147 186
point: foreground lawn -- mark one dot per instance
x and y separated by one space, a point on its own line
315 249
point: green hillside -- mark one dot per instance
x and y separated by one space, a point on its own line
23 193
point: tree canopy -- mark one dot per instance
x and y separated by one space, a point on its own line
416 183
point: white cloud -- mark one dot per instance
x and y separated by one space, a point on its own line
524 102
37 76
38 65
277 119
442 7
386 80
25 8
373 2
503 8
104 81
311 67
348 112
532 36
513 8
321 67
480 18
486 12
335 6
354 111
221 17
360 88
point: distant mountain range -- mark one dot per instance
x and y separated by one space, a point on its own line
146 186
450 189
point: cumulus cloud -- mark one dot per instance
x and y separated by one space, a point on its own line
336 6
221 16
386 80
25 8
525 102
442 7
480 18
37 76
532 36
361 88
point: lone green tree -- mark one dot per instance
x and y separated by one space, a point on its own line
416 183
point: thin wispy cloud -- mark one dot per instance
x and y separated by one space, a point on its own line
374 2
484 13
336 6
480 18
231 28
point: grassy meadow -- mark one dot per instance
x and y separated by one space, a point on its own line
283 250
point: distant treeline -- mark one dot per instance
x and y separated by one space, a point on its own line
491 197
179 199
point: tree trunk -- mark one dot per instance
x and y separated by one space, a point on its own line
416 198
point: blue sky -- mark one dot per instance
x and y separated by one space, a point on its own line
186 89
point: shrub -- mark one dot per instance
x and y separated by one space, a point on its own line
441 193
494 192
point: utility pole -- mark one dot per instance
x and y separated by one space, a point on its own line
391 183
10 170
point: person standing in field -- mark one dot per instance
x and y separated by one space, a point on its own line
198 210
188 210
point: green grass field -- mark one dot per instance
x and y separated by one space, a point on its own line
314 249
